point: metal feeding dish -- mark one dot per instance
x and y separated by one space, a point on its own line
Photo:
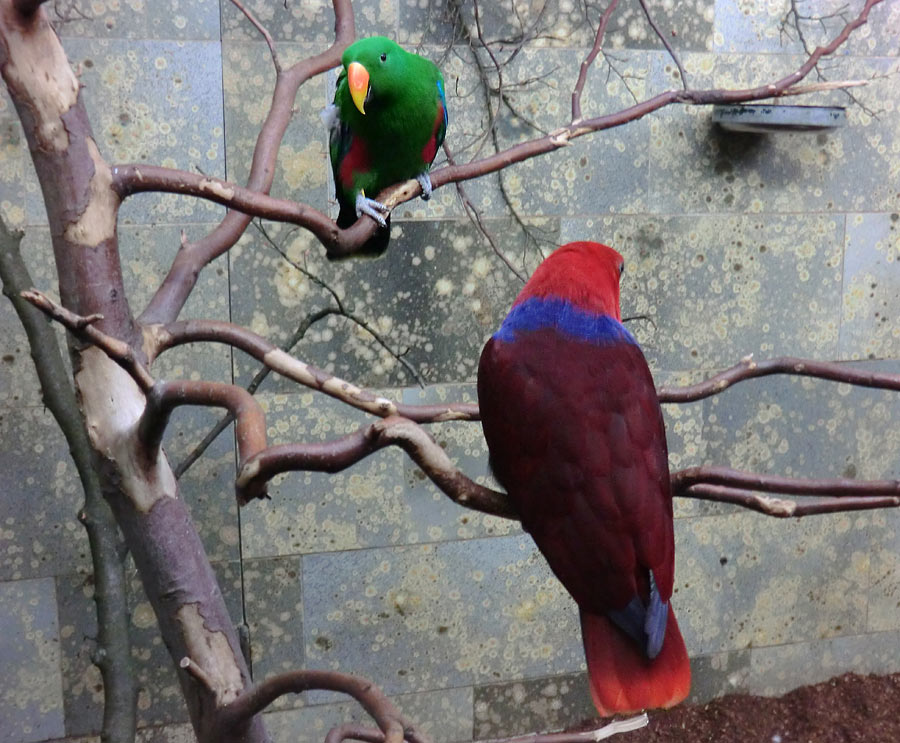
763 118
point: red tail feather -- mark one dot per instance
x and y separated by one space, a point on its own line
622 679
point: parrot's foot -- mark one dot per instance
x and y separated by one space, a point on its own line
374 209
425 182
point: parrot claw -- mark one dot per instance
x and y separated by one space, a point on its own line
374 209
425 182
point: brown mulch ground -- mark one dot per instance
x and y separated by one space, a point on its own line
846 709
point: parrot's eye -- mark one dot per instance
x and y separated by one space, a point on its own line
383 56
621 268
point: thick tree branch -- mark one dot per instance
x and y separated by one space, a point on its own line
166 304
373 701
112 654
250 426
28 7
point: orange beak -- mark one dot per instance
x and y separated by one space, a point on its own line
358 80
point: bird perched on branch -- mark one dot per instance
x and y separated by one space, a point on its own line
576 437
386 125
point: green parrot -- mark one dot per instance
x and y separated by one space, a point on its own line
385 126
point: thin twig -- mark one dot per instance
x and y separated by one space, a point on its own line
589 60
263 31
83 327
665 41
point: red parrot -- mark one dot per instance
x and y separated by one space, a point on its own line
576 437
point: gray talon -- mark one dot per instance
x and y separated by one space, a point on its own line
425 182
371 208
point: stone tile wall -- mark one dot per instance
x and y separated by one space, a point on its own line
734 244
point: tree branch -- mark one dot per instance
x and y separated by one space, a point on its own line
250 426
84 328
665 42
169 299
747 368
193 331
112 654
334 456
372 700
589 60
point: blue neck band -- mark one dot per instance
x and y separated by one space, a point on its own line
561 315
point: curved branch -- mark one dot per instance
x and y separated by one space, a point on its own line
334 456
166 304
372 700
161 338
250 425
747 368
355 731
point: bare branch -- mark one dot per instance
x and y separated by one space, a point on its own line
334 456
589 60
250 426
372 700
784 508
166 304
354 731
263 31
665 42
747 368
257 380
83 328
193 331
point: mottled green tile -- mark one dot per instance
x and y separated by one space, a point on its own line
768 26
272 605
166 734
82 683
111 19
40 534
249 79
158 102
603 172
557 23
695 166
159 699
31 705
310 511
433 299
444 716
719 674
14 159
440 615
779 669
521 707
870 322
437 518
719 288
805 428
307 21
747 580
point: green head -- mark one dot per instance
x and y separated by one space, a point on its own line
378 70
